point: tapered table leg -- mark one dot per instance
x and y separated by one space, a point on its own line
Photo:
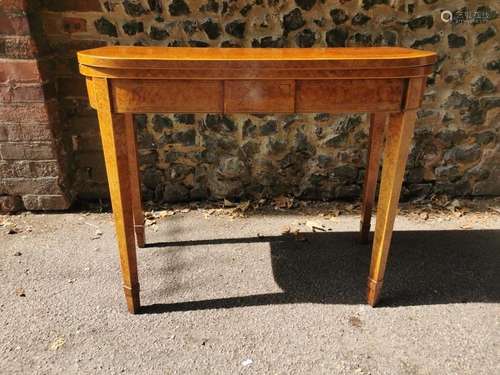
398 138
375 143
113 137
135 180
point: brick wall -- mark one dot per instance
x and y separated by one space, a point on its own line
456 148
32 173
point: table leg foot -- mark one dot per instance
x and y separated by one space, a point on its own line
373 290
132 298
139 235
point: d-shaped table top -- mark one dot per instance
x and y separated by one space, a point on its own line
135 57
255 80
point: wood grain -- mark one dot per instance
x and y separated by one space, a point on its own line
146 79
132 96
90 91
356 95
397 143
135 180
259 96
378 122
257 74
398 137
114 143
254 58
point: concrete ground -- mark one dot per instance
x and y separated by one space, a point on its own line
234 295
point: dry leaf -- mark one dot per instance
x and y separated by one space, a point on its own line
243 206
282 202
57 343
315 226
97 234
149 222
286 230
355 321
228 203
335 212
424 215
12 230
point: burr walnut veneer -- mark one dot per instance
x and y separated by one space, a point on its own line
387 82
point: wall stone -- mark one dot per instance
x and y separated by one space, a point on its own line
316 156
32 157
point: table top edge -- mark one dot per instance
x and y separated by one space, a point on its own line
149 57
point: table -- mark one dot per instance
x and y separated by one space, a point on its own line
387 82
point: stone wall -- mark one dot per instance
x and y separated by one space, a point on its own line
32 173
456 149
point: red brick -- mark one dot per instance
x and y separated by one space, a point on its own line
27 151
10 203
46 168
36 186
29 168
76 5
28 113
9 169
15 6
14 24
74 25
21 93
46 202
18 47
25 132
19 70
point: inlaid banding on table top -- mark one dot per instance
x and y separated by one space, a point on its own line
124 57
302 73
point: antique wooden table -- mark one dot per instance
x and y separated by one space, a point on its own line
388 82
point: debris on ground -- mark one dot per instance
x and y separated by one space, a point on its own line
57 343
286 231
422 210
282 202
20 292
355 321
440 208
97 234
12 230
10 227
316 226
246 362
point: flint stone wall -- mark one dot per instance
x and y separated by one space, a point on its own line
456 149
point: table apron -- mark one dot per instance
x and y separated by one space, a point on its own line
257 96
